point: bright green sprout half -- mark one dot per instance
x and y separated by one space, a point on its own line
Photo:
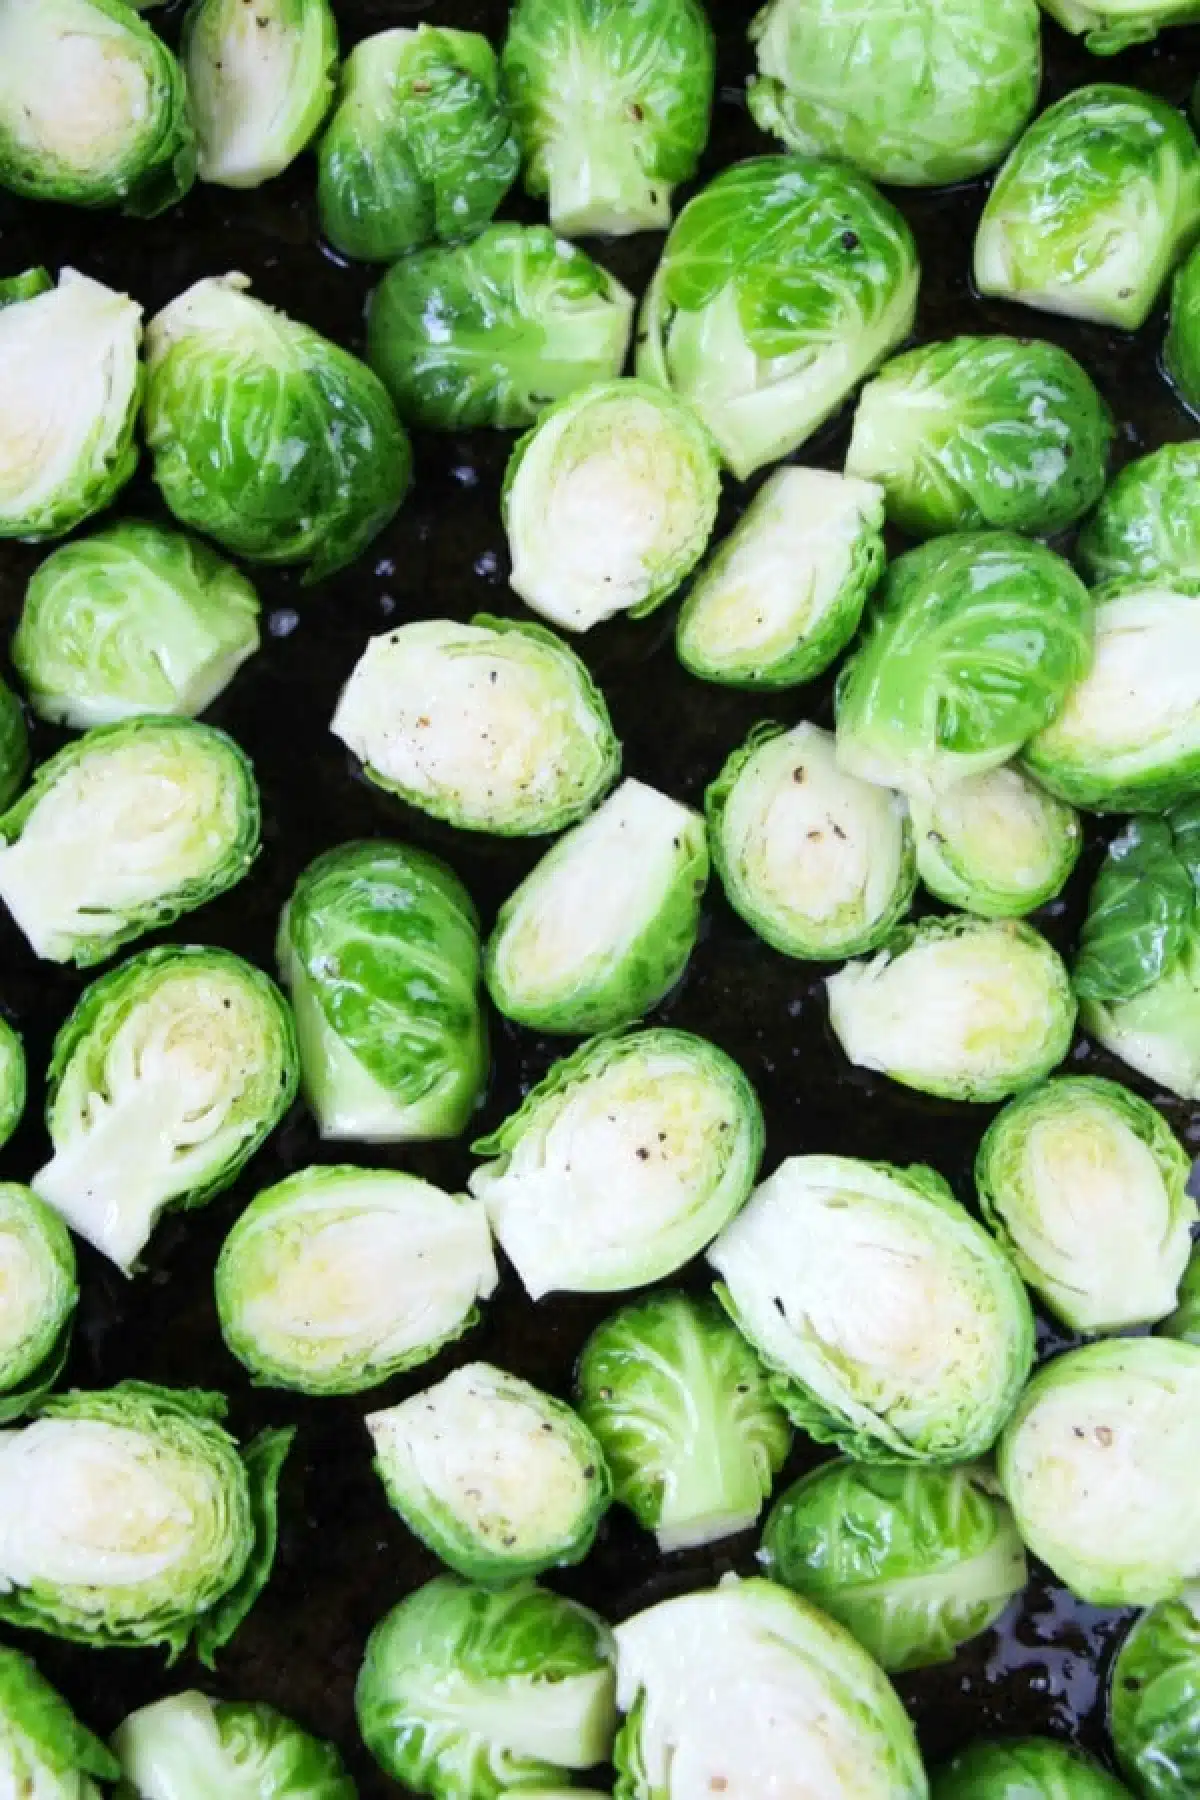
260 78
12 1079
1147 526
1109 26
995 844
1024 1769
38 1295
1154 1701
189 1747
45 1753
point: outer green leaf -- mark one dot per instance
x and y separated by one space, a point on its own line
1154 1701
1140 914
12 1080
260 79
188 1747
44 1751
14 746
38 1297
995 844
1023 1769
263 1459
1156 1031
1147 526
1181 349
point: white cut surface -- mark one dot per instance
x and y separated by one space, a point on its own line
76 91
252 73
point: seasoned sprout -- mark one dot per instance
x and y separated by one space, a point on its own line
170 1073
267 436
817 862
125 830
1154 1701
493 332
189 1747
785 592
912 1561
1109 26
604 925
260 79
493 726
1093 209
45 1752
1147 526
783 283
995 844
12 1080
622 1163
684 1413
1023 1769
131 620
14 746
611 101
1184 1322
337 1279
894 1326
38 1295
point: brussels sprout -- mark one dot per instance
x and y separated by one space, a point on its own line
971 648
45 1753
1113 25
1154 1701
465 1694
785 592
995 844
72 382
492 332
419 147
622 1163
133 619
1181 348
684 1413
38 1296
379 947
983 431
1184 1322
493 726
12 1080
166 1078
916 95
1023 1769
608 503
971 1009
1147 526
14 746
1094 207
912 1561
750 1689
335 1279
93 108
126 829
895 1327
1098 1464
260 79
604 925
783 283
611 101
1085 1185
189 1747
266 436
818 863
184 1554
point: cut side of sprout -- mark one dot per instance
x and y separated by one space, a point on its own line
38 1295
260 80
995 844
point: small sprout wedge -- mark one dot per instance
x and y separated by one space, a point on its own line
44 1750
1110 26
260 80
187 1747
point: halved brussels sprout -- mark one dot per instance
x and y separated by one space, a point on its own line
1003 432
38 1296
189 1747
1094 207
336 1279
785 592
894 1326
1085 1185
129 1517
604 925
1147 526
420 146
971 1009
131 620
622 1163
493 726
1113 25
995 844
912 1561
611 103
45 1752
1029 1768
783 283
685 1416
12 1079
265 435
1154 1701
14 746
1184 1322
260 79
166 1078
818 863
126 829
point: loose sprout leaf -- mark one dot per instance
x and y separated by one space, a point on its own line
263 1459
995 844
188 1746
12 1080
1019 1768
1109 26
44 1750
260 80
1154 1701
38 1296
14 746
1140 913
1147 526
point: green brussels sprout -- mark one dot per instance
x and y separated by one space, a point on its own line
970 1009
38 1296
971 647
1181 348
169 1074
684 1413
260 79
913 1561
978 432
45 1752
336 1279
611 100
995 844
622 1163
603 926
1085 1185
266 436
1096 204
14 746
72 384
131 620
189 1747
894 1326
783 283
1113 25
494 331
466 1694
93 108
419 147
379 948
1098 1464
1147 526
12 1079
817 862
609 503
916 95
125 830
492 726
1184 1322
1154 1701
1028 1768
179 1560
785 592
